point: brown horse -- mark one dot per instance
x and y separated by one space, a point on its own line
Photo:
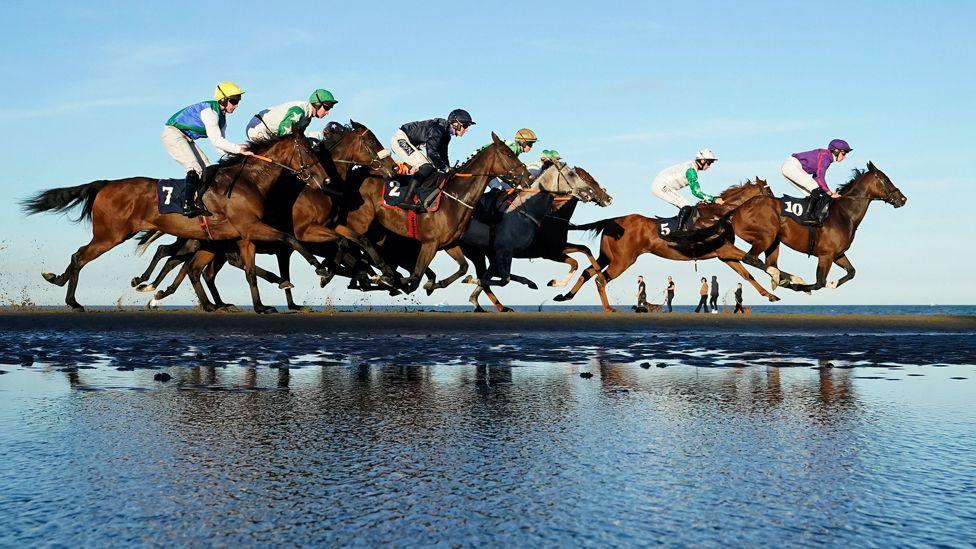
760 223
121 208
347 156
626 238
435 230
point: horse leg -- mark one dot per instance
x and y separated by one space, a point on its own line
246 248
473 299
389 275
479 270
171 263
424 257
102 241
579 248
523 280
845 264
200 262
737 267
498 304
284 270
165 250
589 273
210 278
823 267
573 266
458 256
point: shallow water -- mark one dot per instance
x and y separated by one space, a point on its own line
703 438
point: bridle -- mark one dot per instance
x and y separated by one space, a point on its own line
375 163
303 173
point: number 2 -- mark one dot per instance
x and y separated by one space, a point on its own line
394 188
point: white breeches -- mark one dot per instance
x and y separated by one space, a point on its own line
411 155
669 195
184 150
793 172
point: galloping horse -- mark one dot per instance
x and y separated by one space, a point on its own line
760 223
434 230
347 156
625 238
536 224
121 208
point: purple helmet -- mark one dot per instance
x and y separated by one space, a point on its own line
840 145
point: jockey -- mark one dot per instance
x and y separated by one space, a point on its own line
547 157
203 119
524 140
278 120
807 172
423 146
667 184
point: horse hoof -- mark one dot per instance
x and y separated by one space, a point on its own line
506 310
532 286
229 308
135 281
286 285
153 304
798 280
145 288
832 284
159 296
266 310
480 309
52 278
773 298
553 283
610 310
323 272
468 280
76 308
207 307
300 309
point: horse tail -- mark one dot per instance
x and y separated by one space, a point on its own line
596 226
65 198
144 239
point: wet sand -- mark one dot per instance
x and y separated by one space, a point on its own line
444 322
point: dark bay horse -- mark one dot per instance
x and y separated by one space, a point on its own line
626 238
536 224
442 228
348 155
121 208
760 223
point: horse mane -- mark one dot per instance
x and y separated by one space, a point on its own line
336 131
856 174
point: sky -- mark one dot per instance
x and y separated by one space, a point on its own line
621 89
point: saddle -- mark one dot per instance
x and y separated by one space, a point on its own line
809 210
394 189
670 228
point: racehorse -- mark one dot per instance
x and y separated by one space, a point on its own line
348 154
760 223
625 238
535 224
118 209
434 230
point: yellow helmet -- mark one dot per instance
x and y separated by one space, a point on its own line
226 90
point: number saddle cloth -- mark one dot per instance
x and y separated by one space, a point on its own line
170 194
796 209
396 187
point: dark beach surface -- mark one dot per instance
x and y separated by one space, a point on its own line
183 428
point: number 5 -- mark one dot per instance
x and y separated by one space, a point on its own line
665 229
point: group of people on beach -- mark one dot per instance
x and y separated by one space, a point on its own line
708 296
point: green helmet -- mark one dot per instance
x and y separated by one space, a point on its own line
322 96
550 155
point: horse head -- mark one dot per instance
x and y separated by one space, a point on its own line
883 188
738 194
294 152
501 162
872 184
592 191
358 145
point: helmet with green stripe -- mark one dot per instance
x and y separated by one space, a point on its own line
322 96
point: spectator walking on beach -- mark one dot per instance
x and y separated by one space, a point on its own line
641 294
670 292
738 299
703 295
714 295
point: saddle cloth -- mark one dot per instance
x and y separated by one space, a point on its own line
394 189
796 208
170 195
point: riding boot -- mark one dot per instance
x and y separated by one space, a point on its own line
812 216
193 185
407 202
205 181
686 219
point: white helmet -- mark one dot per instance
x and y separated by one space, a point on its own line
706 154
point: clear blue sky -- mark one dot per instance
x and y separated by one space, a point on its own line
622 90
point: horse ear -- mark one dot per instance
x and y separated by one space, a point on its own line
494 138
871 166
356 125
